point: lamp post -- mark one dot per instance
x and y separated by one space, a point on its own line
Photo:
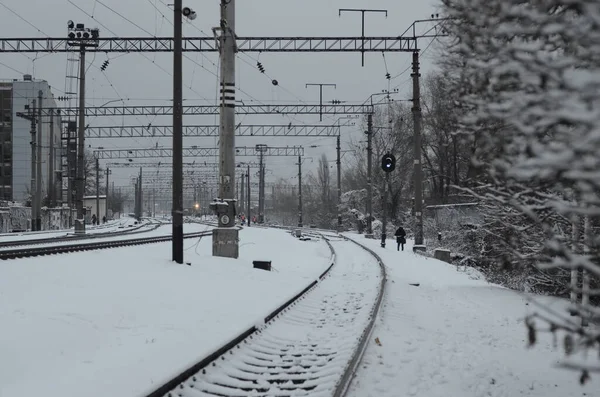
177 206
82 37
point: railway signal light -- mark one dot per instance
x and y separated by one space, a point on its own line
189 13
388 162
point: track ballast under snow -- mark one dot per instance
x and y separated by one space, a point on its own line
308 348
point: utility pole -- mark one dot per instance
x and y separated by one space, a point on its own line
81 37
339 182
249 207
69 171
225 237
71 167
177 211
321 95
385 209
242 193
108 172
80 167
272 199
38 181
51 184
299 191
362 36
261 193
261 183
388 164
153 203
97 191
369 233
33 170
237 191
141 198
34 116
418 181
136 193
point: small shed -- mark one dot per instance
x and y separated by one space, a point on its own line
89 203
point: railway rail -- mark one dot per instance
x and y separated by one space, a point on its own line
148 227
67 248
310 346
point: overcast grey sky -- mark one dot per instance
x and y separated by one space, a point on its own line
144 79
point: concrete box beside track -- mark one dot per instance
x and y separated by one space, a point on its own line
263 265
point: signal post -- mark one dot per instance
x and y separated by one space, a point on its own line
388 164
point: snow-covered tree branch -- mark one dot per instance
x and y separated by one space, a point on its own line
527 81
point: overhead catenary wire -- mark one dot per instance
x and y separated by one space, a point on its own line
270 78
33 26
23 19
242 57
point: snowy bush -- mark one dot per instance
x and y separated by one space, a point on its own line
527 80
352 203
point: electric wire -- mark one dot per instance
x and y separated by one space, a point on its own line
270 78
23 19
30 24
11 68
113 33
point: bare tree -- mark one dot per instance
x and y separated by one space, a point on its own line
392 133
446 156
324 181
117 200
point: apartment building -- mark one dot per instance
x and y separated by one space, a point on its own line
15 139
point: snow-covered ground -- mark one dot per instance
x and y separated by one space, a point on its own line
110 226
457 335
120 322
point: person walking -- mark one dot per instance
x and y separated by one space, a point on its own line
400 237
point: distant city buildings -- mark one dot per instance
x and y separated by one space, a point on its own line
15 139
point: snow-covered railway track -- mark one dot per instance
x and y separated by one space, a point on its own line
90 246
311 348
138 229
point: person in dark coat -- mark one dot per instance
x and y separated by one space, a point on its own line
400 237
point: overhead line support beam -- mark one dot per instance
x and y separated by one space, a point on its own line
97 111
193 152
130 131
208 44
